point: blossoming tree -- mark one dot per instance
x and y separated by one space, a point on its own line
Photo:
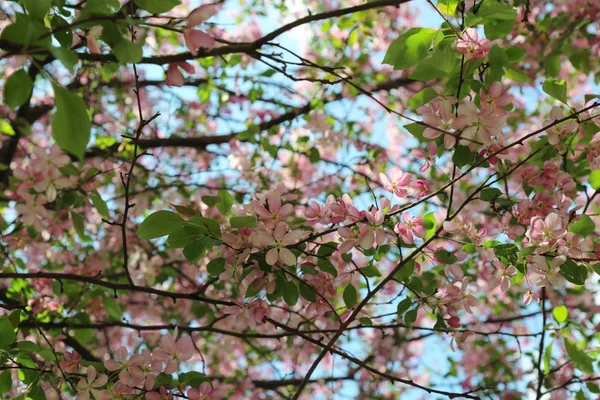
299 199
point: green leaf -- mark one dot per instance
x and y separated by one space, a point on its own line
186 235
497 56
192 378
17 89
350 296
409 48
580 359
410 317
421 98
463 156
7 333
491 11
326 266
552 64
163 379
211 201
216 266
157 6
243 222
445 256
66 56
556 89
37 8
226 201
497 29
128 52
439 65
100 205
5 381
71 124
193 251
158 224
560 314
584 227
594 179
403 306
490 194
430 224
313 155
574 273
290 293
370 271
365 321
548 357
416 130
307 292
78 224
589 97
516 75
112 307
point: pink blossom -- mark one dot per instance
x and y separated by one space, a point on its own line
130 374
494 99
172 351
200 14
502 276
556 132
174 75
480 126
196 39
421 186
279 239
203 392
544 231
396 183
542 274
71 362
91 385
409 227
248 315
471 46
162 394
428 156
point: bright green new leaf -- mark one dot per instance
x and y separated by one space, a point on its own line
556 89
560 313
160 223
17 89
583 227
594 179
157 6
409 48
71 126
580 359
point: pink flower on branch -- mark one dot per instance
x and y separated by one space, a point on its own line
172 352
471 46
396 183
410 227
174 75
